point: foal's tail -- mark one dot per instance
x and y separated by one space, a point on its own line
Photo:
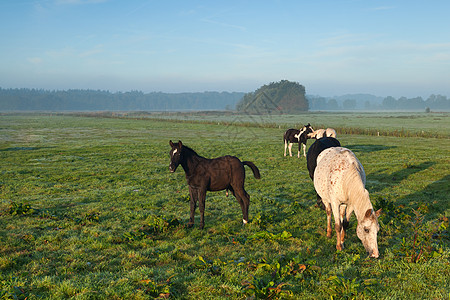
254 169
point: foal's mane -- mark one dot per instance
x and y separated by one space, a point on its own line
189 150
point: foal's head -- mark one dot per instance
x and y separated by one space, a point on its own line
307 129
367 230
175 155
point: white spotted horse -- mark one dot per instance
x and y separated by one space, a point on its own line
339 179
292 136
217 174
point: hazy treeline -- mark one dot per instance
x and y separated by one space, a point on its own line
370 102
283 96
95 100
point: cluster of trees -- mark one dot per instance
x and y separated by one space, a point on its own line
283 96
92 100
370 102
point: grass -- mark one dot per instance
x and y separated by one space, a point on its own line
88 210
400 124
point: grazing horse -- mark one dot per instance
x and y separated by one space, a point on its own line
311 158
339 179
203 174
297 136
320 133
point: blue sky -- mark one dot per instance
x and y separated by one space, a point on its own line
386 48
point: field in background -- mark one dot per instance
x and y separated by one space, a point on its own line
400 124
89 210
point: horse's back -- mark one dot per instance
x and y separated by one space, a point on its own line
321 133
316 148
289 134
225 171
336 168
330 132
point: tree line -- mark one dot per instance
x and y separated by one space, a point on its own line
433 102
281 97
96 100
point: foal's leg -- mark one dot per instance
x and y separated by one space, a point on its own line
244 200
328 210
193 205
201 206
337 225
285 147
319 202
304 150
290 149
343 221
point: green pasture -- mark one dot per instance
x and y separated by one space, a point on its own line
399 124
89 210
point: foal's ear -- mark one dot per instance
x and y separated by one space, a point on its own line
170 143
378 213
180 143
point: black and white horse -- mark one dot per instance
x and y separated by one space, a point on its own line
292 136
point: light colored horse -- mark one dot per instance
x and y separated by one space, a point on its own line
339 179
320 133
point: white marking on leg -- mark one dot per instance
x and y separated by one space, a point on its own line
285 146
245 222
290 149
304 150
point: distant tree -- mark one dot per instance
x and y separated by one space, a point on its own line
332 104
438 102
283 96
317 103
349 104
389 103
